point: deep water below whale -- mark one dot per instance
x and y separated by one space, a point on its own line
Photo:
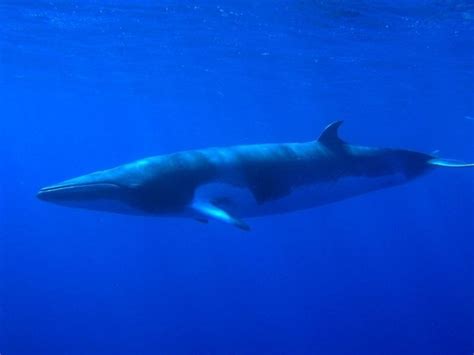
87 85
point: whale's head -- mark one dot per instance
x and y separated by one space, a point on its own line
112 190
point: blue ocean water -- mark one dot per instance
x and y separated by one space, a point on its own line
87 85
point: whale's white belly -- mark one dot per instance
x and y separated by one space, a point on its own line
240 201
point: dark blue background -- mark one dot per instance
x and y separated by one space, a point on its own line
87 85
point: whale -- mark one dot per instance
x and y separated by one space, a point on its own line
233 184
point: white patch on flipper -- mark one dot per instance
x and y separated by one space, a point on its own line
209 210
226 195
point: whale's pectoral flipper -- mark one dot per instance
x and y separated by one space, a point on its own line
207 210
450 163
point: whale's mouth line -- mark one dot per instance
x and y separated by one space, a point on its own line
77 186
75 190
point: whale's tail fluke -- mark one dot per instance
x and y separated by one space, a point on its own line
448 163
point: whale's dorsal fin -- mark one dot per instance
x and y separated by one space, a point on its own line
330 136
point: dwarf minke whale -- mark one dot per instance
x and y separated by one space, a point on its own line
231 184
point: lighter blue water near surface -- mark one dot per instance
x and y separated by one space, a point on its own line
87 85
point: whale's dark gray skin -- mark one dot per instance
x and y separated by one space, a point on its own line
232 183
